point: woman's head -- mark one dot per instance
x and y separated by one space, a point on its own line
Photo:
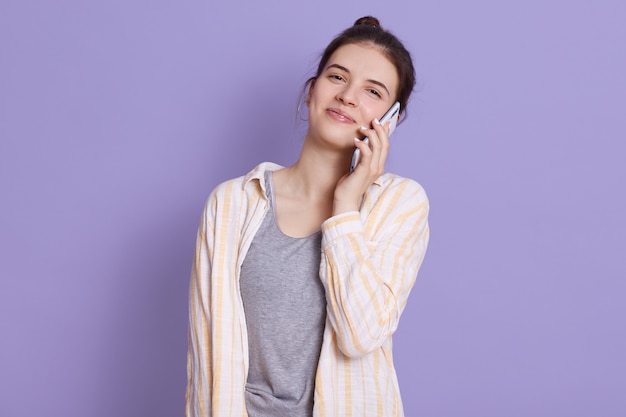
367 30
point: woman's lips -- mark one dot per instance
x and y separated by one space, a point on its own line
340 116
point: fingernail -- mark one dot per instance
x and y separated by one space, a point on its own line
357 140
363 127
377 121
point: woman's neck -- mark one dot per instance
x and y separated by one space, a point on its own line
315 174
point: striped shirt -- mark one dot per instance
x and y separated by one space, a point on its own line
369 263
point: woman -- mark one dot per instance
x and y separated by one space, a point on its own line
301 273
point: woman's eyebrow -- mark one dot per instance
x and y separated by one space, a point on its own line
342 68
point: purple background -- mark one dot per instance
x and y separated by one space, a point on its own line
117 118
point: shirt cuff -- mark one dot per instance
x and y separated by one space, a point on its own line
341 225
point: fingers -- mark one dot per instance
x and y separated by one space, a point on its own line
383 136
373 149
375 154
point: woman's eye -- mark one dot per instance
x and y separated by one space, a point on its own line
374 92
336 77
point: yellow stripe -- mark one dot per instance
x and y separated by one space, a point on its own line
219 299
349 410
373 296
383 208
379 391
364 390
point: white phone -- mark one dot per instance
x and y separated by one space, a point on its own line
391 115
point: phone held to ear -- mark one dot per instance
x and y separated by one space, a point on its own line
391 115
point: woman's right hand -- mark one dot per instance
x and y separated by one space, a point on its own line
351 187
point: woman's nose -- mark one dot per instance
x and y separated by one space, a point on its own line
347 96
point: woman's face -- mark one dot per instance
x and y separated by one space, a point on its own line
357 85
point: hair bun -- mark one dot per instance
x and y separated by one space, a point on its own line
368 21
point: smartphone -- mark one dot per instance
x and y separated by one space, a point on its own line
391 115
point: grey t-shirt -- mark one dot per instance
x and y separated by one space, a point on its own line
285 309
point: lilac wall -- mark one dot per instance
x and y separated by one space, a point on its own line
118 117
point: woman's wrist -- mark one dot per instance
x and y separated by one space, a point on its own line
344 206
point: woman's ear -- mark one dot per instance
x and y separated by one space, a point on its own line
311 85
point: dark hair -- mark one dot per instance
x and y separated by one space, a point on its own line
367 30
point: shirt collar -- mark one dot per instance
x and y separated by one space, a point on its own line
258 173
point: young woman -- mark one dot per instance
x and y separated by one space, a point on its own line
301 273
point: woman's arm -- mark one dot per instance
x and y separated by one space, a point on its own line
199 364
369 265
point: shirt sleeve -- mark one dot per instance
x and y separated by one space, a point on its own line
199 364
369 265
